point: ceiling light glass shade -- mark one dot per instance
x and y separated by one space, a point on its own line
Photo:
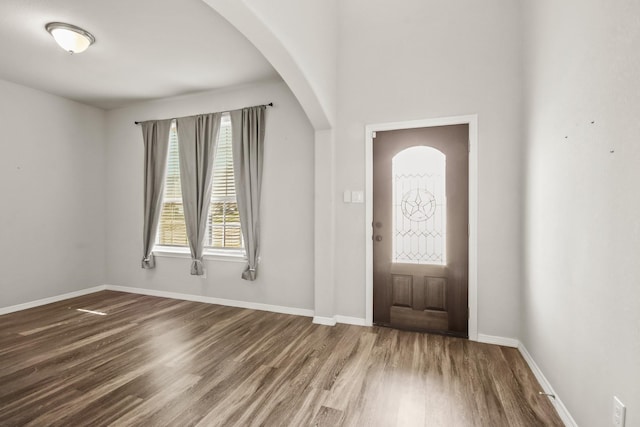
71 38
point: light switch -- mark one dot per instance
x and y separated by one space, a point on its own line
357 197
347 196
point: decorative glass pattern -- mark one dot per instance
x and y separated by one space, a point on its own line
419 206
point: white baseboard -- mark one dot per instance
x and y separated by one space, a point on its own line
332 321
211 300
327 321
562 410
44 301
563 413
358 321
492 339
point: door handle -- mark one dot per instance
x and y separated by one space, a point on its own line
378 238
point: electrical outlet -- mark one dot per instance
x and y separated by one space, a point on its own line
618 412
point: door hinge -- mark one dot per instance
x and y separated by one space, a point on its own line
468 313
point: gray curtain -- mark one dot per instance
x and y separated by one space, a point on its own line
155 135
247 130
197 137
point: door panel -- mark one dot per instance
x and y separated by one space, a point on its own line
401 290
435 293
420 226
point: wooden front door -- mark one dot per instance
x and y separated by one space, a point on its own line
420 229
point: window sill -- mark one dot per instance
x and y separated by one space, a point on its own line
230 255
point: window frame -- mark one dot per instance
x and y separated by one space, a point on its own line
215 254
209 253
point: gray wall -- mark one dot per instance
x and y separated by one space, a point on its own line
418 59
52 219
581 293
286 272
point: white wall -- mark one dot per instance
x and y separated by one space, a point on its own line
299 39
285 276
581 296
52 184
308 29
418 59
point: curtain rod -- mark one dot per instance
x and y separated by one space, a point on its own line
263 105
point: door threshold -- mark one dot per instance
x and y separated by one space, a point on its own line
424 331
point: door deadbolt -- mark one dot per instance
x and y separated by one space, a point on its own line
378 238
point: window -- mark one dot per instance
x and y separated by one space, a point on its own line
223 223
419 206
172 230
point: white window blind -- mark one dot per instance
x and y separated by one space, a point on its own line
223 224
172 230
224 220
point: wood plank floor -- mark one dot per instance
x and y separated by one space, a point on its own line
161 362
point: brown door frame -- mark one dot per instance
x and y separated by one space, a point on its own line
370 130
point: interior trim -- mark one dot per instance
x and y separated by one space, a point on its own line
562 410
503 341
213 300
327 321
49 300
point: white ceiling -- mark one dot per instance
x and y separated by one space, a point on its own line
144 49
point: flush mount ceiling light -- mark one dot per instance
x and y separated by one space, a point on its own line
71 38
